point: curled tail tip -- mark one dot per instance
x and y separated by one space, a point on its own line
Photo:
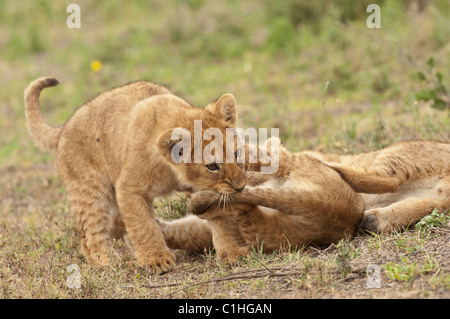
44 136
40 84
49 81
45 81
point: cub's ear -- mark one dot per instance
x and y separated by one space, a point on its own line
172 144
225 108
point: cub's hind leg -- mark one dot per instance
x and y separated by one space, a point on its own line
227 238
194 234
399 215
402 214
189 233
89 206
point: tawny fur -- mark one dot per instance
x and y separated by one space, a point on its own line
399 184
306 203
114 156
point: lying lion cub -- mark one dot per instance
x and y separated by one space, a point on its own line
399 184
304 202
114 156
318 198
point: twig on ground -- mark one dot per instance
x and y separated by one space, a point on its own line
269 273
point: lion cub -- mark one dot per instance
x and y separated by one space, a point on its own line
399 184
114 156
305 202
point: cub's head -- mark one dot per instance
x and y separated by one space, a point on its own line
198 153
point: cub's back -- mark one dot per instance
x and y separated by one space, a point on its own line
96 130
416 159
112 106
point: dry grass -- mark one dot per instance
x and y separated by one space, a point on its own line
38 242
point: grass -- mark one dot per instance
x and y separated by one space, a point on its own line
38 242
312 69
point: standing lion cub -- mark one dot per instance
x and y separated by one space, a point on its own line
114 156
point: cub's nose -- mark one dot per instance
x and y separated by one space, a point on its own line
238 189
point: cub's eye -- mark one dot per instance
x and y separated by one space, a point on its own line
237 154
212 167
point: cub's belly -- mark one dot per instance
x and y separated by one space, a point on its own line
426 188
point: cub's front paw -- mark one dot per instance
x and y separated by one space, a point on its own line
231 256
157 262
201 202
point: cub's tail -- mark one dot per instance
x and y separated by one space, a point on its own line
44 136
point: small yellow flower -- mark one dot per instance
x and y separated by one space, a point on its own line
96 65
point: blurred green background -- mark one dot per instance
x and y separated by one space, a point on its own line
311 68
